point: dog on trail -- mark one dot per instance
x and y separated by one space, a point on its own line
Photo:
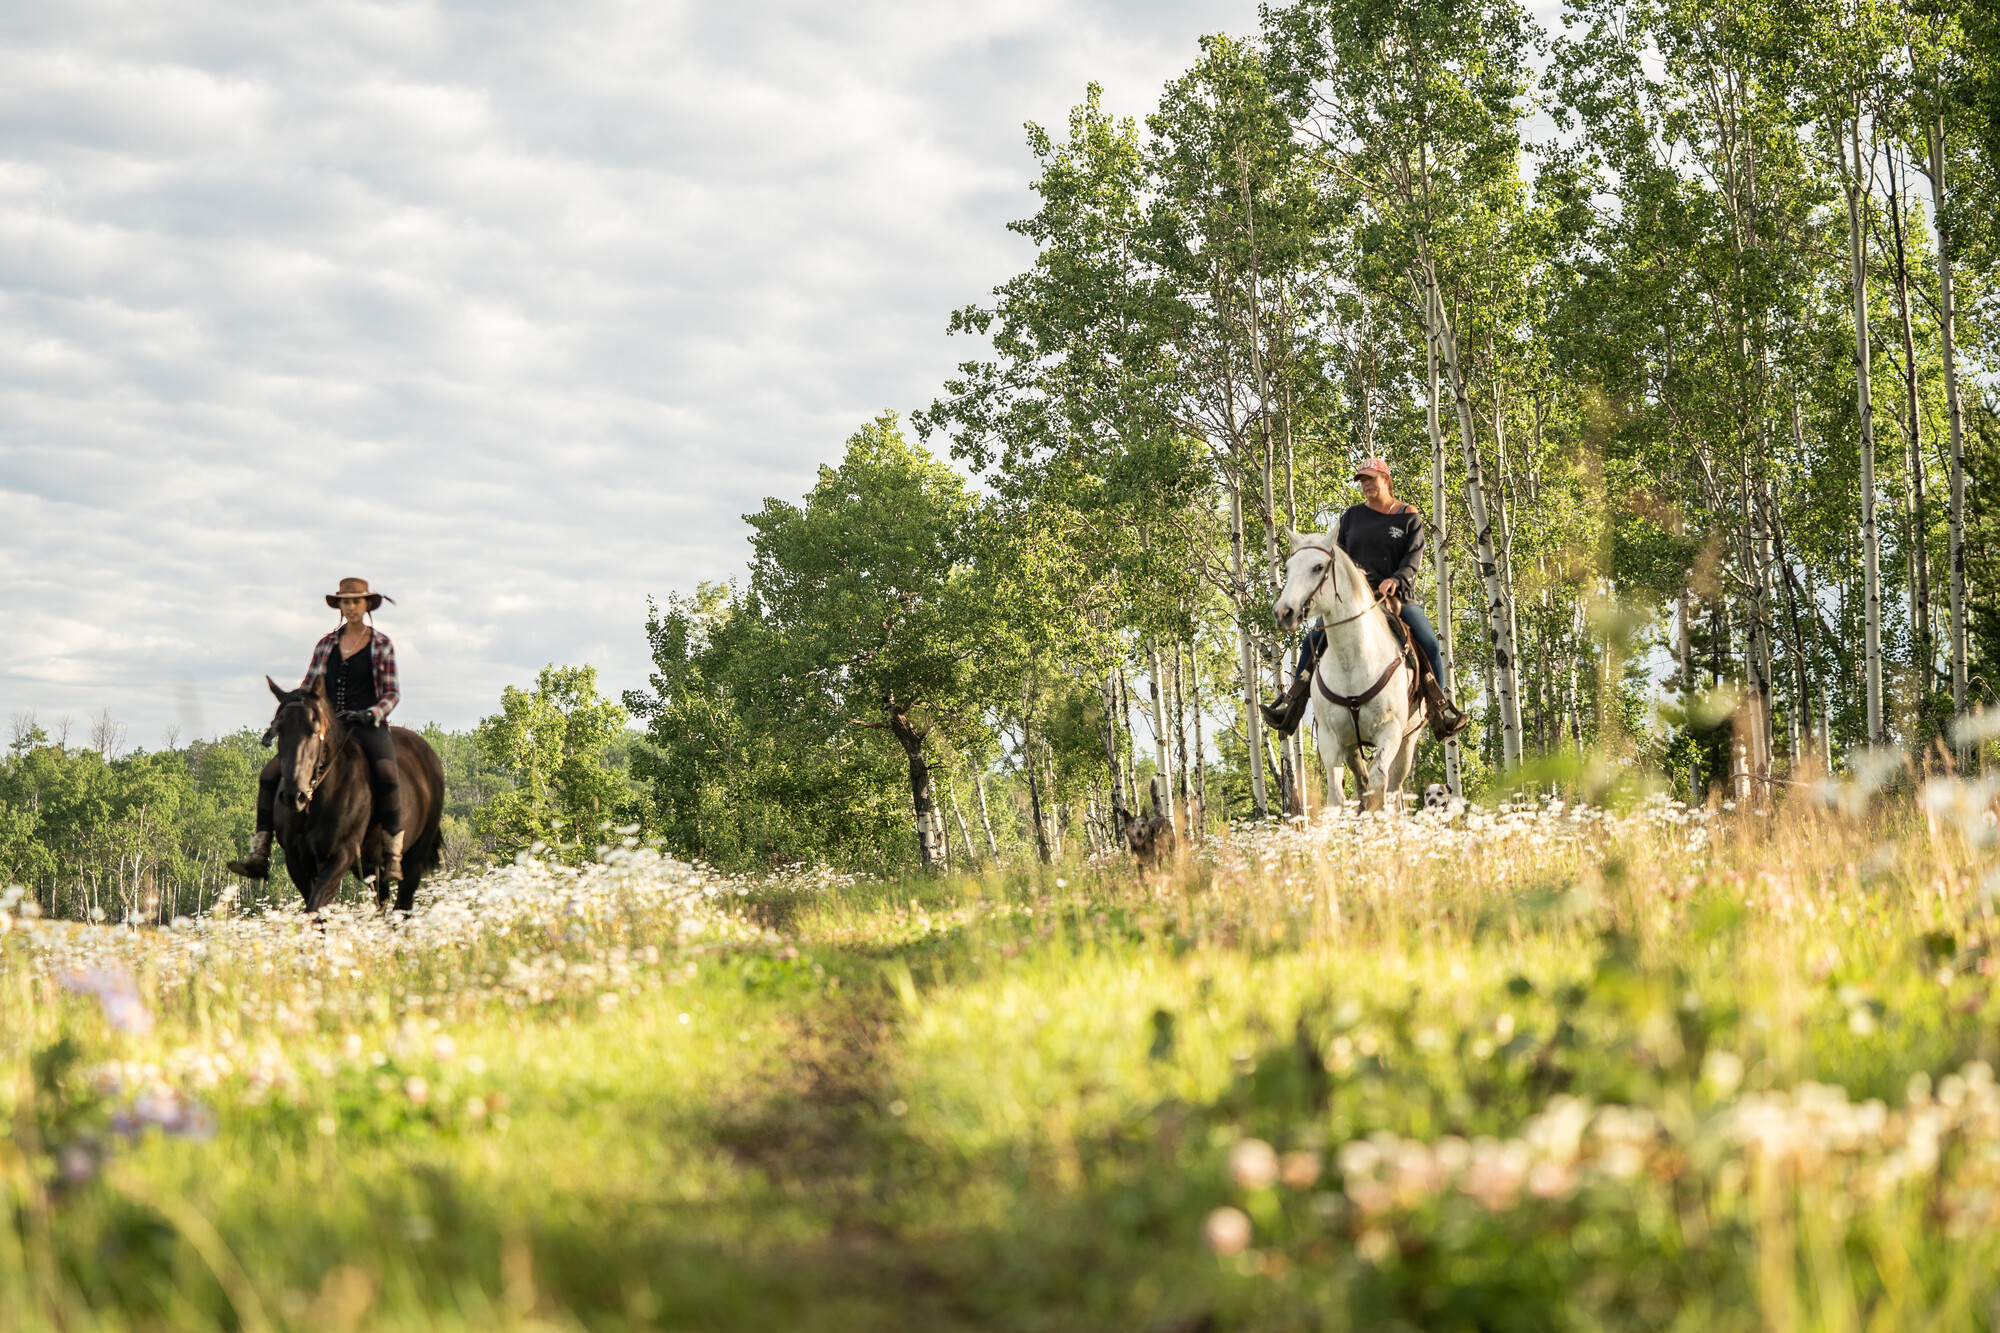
1438 797
1151 841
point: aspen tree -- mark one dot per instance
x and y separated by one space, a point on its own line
1935 170
1917 538
1851 164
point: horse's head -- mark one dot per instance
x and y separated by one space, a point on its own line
303 729
1316 565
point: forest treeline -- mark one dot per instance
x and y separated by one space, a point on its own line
1695 386
92 832
1695 382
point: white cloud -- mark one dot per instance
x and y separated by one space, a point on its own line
513 309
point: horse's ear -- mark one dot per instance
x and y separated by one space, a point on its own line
280 694
1297 540
319 687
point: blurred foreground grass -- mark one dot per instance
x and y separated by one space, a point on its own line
1546 1069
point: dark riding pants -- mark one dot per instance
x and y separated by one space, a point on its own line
1420 630
385 782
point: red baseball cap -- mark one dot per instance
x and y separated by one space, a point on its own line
1379 465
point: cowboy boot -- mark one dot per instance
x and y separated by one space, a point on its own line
258 864
392 857
1284 715
1447 719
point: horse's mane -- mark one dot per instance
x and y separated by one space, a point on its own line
312 705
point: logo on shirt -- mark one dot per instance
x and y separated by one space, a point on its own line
1395 532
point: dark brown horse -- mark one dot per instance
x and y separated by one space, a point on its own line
325 812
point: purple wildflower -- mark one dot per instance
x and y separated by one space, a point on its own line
117 993
167 1111
77 1163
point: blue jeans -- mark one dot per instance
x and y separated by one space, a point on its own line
1426 637
1420 630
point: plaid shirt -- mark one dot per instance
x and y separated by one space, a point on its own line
387 693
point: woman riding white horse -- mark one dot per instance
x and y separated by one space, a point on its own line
1362 685
1385 536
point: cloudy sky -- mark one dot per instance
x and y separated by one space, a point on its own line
513 308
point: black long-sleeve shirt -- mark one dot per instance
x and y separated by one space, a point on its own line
1387 545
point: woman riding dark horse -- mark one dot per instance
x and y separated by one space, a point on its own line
358 663
1385 537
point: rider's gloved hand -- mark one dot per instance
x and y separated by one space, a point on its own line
358 718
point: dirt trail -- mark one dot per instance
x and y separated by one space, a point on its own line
814 1130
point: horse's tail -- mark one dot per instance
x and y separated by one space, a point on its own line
421 857
424 850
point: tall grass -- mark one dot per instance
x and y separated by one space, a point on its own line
1534 1068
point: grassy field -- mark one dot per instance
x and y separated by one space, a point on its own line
1528 1069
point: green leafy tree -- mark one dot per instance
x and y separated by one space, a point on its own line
470 781
141 837
552 741
869 593
737 777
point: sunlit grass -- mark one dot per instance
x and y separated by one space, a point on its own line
1535 1068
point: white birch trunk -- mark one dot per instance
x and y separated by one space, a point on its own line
1272 567
1253 721
1917 543
1756 642
985 819
1162 741
1453 776
1198 812
1499 603
1871 549
1124 709
1955 415
1183 791
964 834
1505 534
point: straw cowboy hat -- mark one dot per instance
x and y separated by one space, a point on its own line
357 588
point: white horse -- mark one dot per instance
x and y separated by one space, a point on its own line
1361 692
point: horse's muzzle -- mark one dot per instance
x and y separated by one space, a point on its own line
1285 616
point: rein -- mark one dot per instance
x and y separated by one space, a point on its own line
321 767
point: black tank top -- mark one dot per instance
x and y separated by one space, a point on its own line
350 681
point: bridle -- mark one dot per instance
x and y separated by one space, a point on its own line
1332 563
322 762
